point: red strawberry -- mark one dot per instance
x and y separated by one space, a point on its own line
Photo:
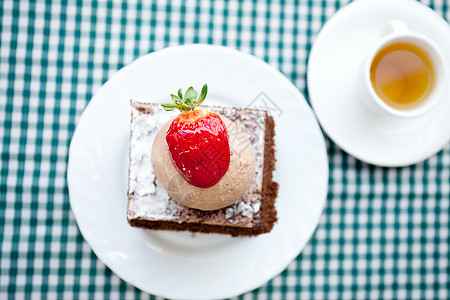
197 140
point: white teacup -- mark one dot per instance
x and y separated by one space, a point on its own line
397 32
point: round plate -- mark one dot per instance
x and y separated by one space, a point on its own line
180 264
333 68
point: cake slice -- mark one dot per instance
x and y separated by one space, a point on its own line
149 204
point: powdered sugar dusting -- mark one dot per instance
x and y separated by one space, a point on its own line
149 200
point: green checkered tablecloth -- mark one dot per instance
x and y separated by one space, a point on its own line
384 233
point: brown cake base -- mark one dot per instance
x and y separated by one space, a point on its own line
226 220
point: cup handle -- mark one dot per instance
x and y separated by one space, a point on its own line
394 26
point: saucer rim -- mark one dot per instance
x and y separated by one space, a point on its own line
350 8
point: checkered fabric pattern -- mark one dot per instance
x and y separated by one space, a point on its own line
384 233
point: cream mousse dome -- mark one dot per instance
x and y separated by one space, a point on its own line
231 187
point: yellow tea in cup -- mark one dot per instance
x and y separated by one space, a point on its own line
402 75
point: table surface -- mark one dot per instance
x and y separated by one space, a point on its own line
384 232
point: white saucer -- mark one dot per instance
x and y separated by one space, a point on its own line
179 265
332 75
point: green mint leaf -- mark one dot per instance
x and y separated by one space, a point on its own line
189 102
169 104
175 98
167 108
203 94
191 94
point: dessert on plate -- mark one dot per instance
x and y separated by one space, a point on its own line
202 169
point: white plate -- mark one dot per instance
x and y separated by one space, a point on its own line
332 75
183 265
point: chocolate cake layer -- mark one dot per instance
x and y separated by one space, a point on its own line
150 206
